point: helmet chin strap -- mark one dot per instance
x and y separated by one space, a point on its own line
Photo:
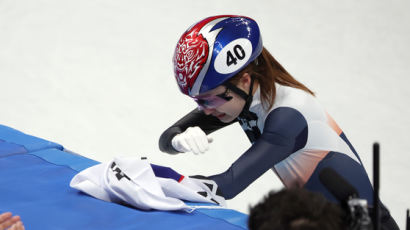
248 97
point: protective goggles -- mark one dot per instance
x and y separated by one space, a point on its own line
213 101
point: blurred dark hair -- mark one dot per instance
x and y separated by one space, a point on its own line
295 209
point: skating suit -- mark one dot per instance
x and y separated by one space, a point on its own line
296 138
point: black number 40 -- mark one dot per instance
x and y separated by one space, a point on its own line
239 54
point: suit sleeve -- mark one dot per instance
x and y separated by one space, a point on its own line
196 117
285 132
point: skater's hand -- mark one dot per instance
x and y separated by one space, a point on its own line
8 221
192 140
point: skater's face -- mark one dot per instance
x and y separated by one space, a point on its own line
223 103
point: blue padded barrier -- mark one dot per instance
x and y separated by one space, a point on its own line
35 185
7 148
15 142
39 192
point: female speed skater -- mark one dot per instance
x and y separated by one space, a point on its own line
222 64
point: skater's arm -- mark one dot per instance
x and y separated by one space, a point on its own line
207 123
285 132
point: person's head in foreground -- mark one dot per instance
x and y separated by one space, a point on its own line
295 209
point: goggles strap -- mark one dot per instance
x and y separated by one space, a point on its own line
247 97
236 90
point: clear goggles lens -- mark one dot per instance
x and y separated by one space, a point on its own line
212 101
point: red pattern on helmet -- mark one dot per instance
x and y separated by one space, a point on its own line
191 54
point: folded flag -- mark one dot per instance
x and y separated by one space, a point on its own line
146 186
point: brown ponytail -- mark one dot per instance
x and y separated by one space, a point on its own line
266 71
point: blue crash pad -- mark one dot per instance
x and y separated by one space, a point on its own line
34 183
14 142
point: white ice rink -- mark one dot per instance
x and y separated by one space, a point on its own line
96 77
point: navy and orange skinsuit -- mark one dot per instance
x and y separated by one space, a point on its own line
296 138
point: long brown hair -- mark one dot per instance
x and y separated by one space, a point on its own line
266 71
